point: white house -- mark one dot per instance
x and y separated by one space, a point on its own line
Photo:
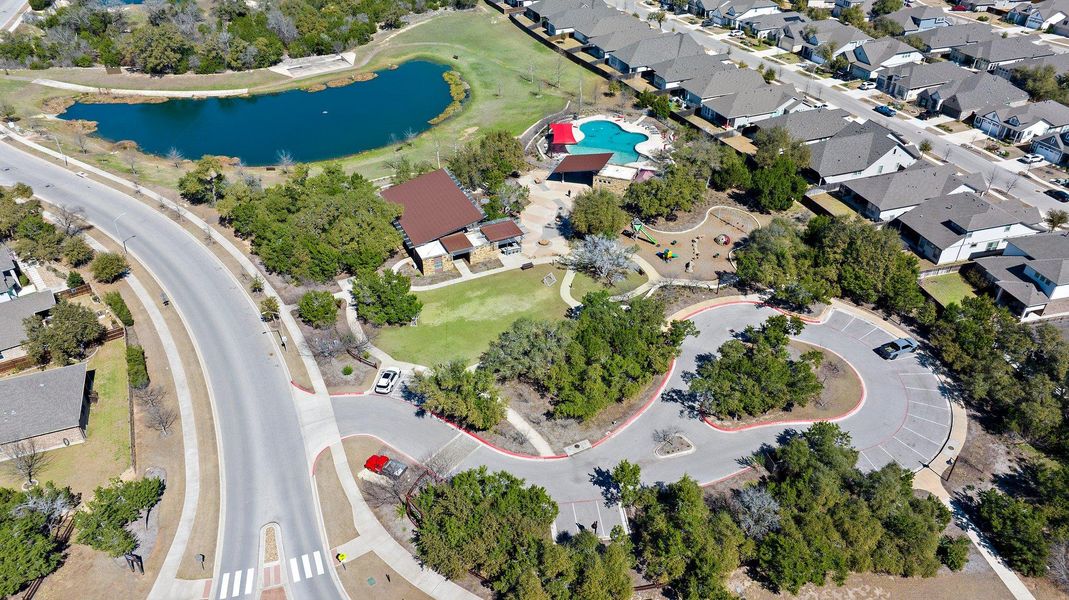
958 227
1039 15
1019 124
867 61
1031 277
860 150
883 198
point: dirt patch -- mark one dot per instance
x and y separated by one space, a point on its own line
684 220
676 297
370 578
315 87
486 265
506 436
337 512
270 546
419 279
113 99
335 364
676 444
985 458
359 77
273 594
56 105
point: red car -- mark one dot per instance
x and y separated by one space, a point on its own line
959 8
384 465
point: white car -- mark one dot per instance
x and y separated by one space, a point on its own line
387 380
868 85
1031 159
737 33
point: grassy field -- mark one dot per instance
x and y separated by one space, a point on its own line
459 321
948 288
106 451
584 284
98 77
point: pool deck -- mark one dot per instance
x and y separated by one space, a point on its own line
655 142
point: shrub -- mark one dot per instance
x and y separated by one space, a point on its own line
136 367
1017 530
112 508
269 309
108 267
347 370
40 4
76 251
385 299
953 552
115 302
75 279
318 309
598 212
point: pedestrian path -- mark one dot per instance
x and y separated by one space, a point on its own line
237 584
241 583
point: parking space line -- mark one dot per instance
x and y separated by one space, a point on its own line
849 323
874 467
910 447
600 523
931 421
889 454
921 389
936 406
867 334
921 436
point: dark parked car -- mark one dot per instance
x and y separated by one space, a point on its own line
1059 195
886 111
892 350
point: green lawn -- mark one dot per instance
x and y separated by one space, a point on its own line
584 284
459 321
106 450
948 288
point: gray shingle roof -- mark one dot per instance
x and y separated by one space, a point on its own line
684 68
1046 249
1046 253
921 75
586 17
610 42
592 26
854 148
910 18
1003 49
7 259
876 52
756 101
979 91
13 312
944 220
774 20
722 83
1053 112
546 8
955 35
809 125
654 50
911 186
1060 62
40 403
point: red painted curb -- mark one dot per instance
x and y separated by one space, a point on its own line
301 387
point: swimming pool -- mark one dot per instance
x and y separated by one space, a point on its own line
606 136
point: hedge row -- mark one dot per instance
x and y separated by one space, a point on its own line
118 306
136 368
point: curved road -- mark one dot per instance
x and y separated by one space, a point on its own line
263 465
905 417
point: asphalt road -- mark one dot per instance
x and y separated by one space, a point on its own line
8 10
264 470
905 418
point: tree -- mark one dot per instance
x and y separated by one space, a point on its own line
1041 82
601 258
779 185
74 279
1056 219
158 415
108 267
113 507
681 187
926 146
1017 530
733 172
385 299
756 512
285 161
318 309
25 459
776 142
205 183
954 551
70 331
71 219
28 547
854 16
775 257
598 212
269 309
469 397
657 17
884 26
487 162
527 350
659 104
627 477
175 157
76 251
157 49
886 7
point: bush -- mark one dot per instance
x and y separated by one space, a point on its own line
468 397
112 508
347 370
385 299
1017 530
598 212
75 279
40 4
108 267
953 552
269 309
318 309
76 251
136 367
115 302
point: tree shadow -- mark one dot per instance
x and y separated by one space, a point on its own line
690 403
610 492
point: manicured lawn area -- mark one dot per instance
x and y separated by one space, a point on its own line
948 288
459 321
106 450
584 284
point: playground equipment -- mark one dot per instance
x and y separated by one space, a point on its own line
640 230
722 239
667 255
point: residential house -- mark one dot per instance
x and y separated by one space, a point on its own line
13 313
643 54
1019 124
543 9
720 83
989 55
841 5
990 5
1054 147
941 40
860 150
730 13
806 126
1060 63
919 18
595 27
867 61
958 227
882 198
1031 277
805 39
906 82
977 93
769 27
586 18
602 45
1039 15
671 74
46 408
9 275
743 108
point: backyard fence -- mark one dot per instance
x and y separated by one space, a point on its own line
74 292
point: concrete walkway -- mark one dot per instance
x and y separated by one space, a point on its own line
541 445
63 85
467 275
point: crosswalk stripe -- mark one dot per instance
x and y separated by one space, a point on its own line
319 562
295 571
307 566
250 577
223 588
237 584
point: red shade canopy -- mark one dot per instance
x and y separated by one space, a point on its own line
563 133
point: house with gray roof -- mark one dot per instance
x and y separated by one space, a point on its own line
868 60
1031 277
1058 62
807 126
720 83
590 28
1054 147
978 93
543 9
770 26
729 13
643 54
958 227
9 275
882 198
860 150
1039 15
48 408
989 55
918 18
841 5
990 5
1019 124
13 313
601 45
941 40
740 109
584 19
906 82
670 74
805 38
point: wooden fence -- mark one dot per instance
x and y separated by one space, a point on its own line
74 292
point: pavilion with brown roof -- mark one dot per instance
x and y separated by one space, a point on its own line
580 168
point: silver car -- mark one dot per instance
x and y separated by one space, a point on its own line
387 380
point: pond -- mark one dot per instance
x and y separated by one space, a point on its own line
310 126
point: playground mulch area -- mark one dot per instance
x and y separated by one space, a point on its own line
700 252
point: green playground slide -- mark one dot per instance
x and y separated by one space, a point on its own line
639 229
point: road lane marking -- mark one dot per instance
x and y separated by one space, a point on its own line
867 334
921 389
307 566
237 584
250 577
295 571
319 562
223 587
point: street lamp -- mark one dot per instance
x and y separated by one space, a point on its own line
60 150
115 222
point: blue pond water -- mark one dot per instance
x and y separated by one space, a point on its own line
310 126
606 136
